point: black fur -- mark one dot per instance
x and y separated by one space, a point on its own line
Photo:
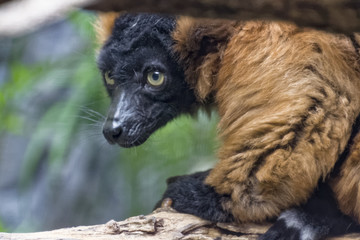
316 219
190 195
140 44
355 44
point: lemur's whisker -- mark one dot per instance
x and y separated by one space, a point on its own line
92 112
90 119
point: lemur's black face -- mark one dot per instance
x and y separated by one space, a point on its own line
144 81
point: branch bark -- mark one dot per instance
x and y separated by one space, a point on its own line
162 224
330 15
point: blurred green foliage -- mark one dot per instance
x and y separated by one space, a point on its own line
21 80
2 229
183 146
80 77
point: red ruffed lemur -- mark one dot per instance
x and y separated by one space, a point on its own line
288 100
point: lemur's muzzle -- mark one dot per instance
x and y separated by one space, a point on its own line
113 128
127 123
112 132
120 116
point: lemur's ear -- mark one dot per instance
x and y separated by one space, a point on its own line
200 45
104 25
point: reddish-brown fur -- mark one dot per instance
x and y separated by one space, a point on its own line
104 26
346 186
287 99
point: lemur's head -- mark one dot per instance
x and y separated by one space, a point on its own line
142 77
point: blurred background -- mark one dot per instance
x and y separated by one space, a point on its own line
56 169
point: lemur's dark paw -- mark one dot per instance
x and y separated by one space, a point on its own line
189 194
293 225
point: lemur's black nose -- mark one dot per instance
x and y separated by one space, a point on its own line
112 132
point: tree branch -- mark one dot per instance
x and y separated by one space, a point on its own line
162 224
17 17
331 15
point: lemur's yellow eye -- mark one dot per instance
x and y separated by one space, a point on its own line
155 78
108 80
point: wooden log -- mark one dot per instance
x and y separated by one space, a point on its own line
162 224
331 15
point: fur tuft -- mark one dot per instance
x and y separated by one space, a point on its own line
200 45
104 26
346 185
